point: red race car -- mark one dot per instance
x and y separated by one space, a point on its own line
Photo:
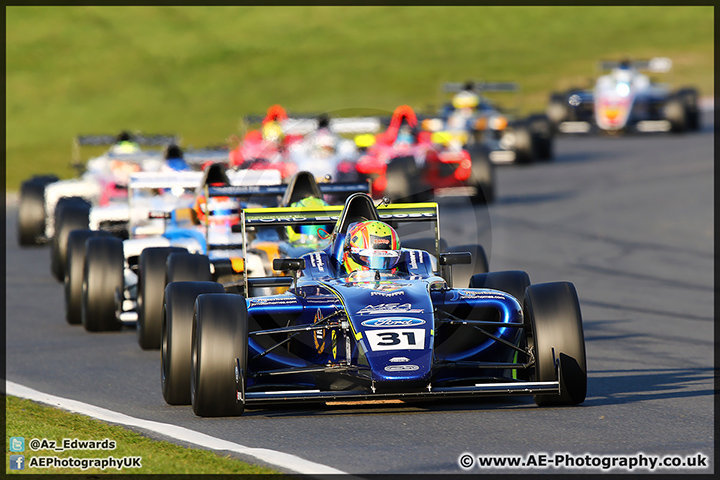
406 163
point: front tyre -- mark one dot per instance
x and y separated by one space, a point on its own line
176 347
151 287
483 175
102 281
31 210
553 311
74 267
71 213
188 267
219 355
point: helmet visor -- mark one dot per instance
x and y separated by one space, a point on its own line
374 258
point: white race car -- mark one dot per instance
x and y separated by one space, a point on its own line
626 100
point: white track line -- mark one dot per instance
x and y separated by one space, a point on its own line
270 457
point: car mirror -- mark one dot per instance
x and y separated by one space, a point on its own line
293 264
455 258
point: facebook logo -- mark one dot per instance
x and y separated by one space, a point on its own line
17 444
17 462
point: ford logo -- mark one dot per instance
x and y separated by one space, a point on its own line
393 322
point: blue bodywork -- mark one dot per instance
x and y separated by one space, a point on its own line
384 331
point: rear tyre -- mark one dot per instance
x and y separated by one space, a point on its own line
523 143
557 110
403 180
177 337
483 175
31 210
102 281
689 98
74 268
676 113
188 267
219 355
542 136
151 287
70 214
553 311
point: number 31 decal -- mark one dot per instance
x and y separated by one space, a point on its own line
402 339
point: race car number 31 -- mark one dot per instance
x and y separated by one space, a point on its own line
401 339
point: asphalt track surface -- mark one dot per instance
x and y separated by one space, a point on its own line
628 220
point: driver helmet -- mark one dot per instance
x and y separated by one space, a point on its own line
174 159
125 144
405 136
324 144
465 99
371 245
217 210
307 235
272 132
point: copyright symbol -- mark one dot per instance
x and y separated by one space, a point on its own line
466 460
34 444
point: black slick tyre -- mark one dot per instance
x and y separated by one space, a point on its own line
70 214
151 287
553 311
483 175
176 344
31 211
188 267
219 355
74 269
523 143
102 282
542 136
403 180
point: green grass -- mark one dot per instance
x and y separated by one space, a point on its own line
197 70
30 420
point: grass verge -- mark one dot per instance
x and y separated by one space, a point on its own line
31 420
196 71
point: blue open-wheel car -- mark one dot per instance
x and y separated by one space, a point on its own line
364 321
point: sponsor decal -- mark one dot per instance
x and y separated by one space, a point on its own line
476 295
367 252
270 301
316 261
385 308
387 294
399 359
393 322
413 259
401 368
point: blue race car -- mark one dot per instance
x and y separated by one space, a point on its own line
365 319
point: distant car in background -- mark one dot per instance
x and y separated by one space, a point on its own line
291 143
626 100
101 179
471 118
407 163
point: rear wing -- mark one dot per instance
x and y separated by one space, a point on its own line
145 140
455 87
199 157
392 214
655 64
304 124
250 189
